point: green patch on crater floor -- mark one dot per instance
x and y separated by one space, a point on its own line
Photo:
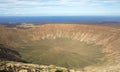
62 52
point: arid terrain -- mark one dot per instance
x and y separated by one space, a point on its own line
83 47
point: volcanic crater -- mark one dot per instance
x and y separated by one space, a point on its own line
67 45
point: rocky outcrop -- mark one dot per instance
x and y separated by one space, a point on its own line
8 66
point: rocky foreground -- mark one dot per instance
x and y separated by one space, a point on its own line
8 66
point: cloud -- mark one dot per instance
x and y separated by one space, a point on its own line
56 2
25 6
53 3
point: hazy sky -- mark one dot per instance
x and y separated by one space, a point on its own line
59 7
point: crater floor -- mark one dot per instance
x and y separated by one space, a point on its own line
63 52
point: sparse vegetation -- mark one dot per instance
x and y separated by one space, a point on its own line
62 52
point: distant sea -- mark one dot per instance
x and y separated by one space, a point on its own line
58 19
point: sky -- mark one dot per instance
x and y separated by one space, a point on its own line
59 7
